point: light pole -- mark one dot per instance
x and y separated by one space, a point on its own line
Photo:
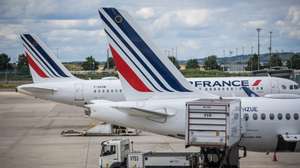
270 48
258 61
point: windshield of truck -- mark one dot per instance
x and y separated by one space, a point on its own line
108 150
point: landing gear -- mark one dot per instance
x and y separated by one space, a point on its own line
221 158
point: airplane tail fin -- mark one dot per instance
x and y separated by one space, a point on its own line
43 64
144 72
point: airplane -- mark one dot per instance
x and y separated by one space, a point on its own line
52 81
156 94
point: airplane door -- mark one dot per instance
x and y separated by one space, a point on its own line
274 87
78 92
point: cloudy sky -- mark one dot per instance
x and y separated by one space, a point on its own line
197 28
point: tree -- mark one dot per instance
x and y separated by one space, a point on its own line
252 63
22 65
175 62
275 60
192 64
4 62
90 63
111 63
294 62
211 63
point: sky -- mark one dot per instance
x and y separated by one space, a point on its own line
193 28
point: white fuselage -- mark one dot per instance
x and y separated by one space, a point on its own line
261 134
79 92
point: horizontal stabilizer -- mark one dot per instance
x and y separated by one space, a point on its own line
132 109
139 112
291 137
37 90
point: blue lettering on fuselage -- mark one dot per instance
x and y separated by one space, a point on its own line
223 83
249 109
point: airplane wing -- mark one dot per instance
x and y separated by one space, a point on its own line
282 96
291 137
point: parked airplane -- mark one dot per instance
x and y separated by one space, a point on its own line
52 81
157 94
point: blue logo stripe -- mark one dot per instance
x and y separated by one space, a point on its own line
249 92
131 60
45 70
45 55
145 50
133 52
36 54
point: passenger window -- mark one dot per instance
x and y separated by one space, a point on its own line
210 89
107 91
227 88
287 116
215 89
120 90
95 91
246 116
271 116
263 116
231 88
205 89
279 116
296 116
112 90
257 88
223 88
254 116
219 89
261 88
283 87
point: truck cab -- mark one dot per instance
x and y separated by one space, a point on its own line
114 153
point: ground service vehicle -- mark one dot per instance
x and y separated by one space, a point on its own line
116 153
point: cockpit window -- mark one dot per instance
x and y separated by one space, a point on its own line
296 87
283 87
291 87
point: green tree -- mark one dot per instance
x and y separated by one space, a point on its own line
22 66
192 64
4 62
294 62
175 62
111 63
252 63
211 63
275 60
90 63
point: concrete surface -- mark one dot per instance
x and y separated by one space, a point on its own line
30 137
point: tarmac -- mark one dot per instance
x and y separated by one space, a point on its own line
30 137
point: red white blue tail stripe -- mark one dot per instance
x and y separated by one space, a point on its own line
129 48
40 60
